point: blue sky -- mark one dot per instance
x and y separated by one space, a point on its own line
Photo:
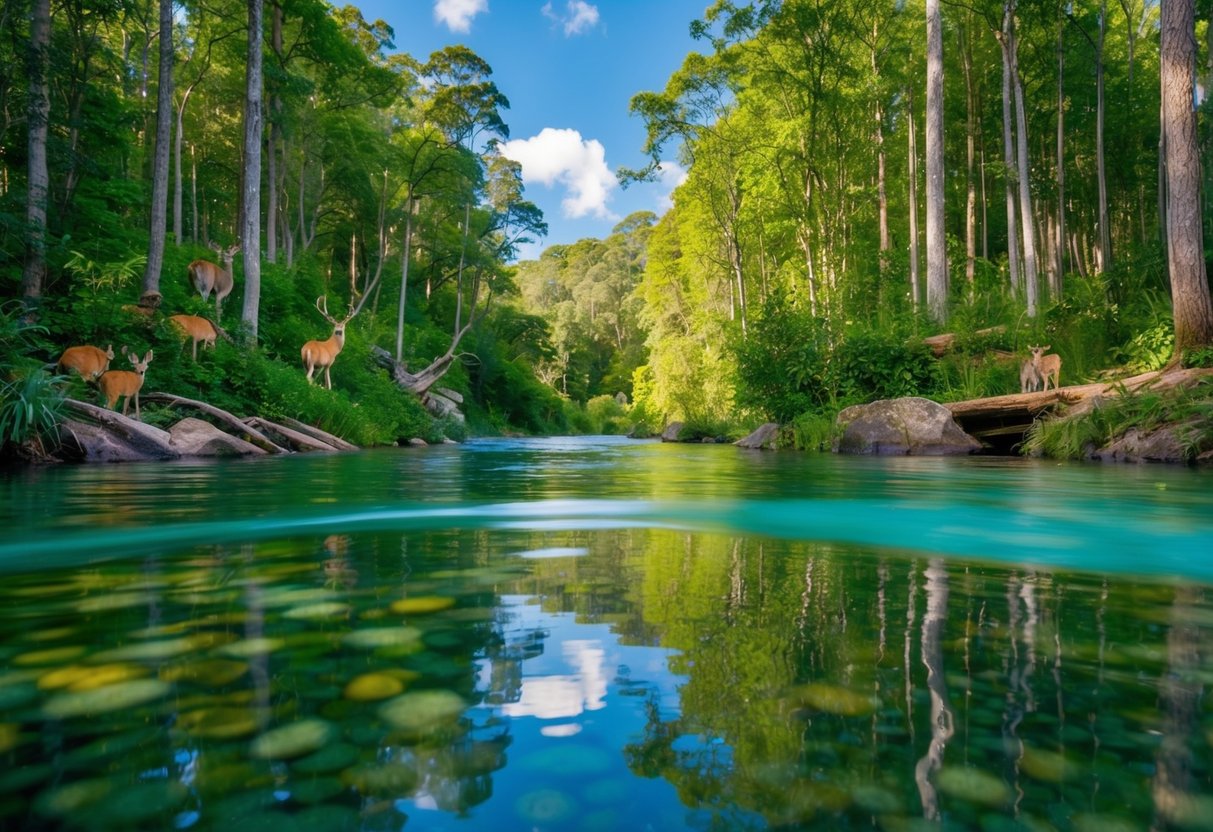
569 68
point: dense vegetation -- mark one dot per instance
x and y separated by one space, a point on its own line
791 277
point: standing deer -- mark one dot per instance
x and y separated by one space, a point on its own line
1045 366
206 277
90 362
118 383
321 354
199 329
1029 379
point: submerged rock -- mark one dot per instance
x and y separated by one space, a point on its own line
910 426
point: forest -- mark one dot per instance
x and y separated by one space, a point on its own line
860 176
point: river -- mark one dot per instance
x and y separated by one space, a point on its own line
598 634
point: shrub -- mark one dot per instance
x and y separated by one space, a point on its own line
874 365
780 363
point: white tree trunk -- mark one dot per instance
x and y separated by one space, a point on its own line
164 130
937 251
250 236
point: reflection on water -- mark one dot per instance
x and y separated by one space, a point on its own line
587 636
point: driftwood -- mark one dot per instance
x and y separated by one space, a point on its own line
145 439
318 434
254 436
287 436
417 383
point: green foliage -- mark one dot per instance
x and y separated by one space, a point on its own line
30 400
606 415
870 365
812 431
1077 437
781 363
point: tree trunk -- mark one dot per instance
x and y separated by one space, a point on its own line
937 252
164 128
271 207
1105 231
34 271
1059 238
250 236
970 157
911 130
1027 227
193 195
1185 242
1008 152
404 274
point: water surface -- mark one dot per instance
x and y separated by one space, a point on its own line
604 634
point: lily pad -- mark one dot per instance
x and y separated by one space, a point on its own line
422 604
375 637
395 779
545 806
973 785
149 651
73 797
1047 765
250 647
293 740
422 710
54 655
87 677
370 687
105 700
210 672
218 723
318 611
333 757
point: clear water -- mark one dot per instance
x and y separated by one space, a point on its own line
598 634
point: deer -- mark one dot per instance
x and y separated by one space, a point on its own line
1029 379
197 328
118 383
206 277
319 355
88 361
1045 366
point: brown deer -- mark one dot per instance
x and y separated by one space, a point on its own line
206 277
90 362
197 328
320 355
118 383
1045 366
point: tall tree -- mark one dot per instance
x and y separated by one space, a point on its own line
1185 243
1026 217
34 272
250 197
164 129
937 251
1010 164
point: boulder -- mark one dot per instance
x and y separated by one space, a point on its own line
418 442
1159 445
765 438
442 406
672 432
122 440
454 396
901 427
194 437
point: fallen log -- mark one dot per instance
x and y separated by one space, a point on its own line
316 433
146 441
254 436
287 436
940 344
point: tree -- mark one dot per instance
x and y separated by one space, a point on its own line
164 121
1185 243
39 181
250 198
937 251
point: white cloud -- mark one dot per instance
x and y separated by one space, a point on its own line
579 16
562 157
670 175
458 14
